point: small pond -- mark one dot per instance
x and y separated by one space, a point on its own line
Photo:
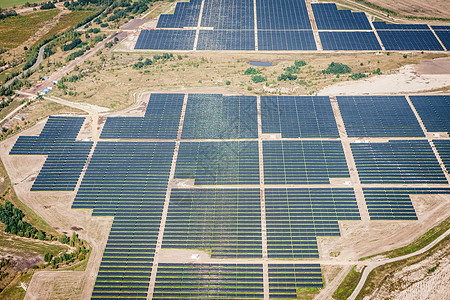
260 63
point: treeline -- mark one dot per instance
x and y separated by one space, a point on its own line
48 5
12 217
7 14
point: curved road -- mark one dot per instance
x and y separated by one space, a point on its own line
374 265
36 64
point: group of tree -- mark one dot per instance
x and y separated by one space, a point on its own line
7 13
337 68
12 217
71 45
48 5
79 253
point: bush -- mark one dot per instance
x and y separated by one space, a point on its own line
252 71
228 82
103 25
48 5
286 77
300 63
377 71
48 257
258 78
337 68
357 76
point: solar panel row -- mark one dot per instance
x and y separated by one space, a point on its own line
127 180
225 222
443 148
66 157
186 14
161 120
378 116
303 162
395 203
286 279
434 110
298 116
348 40
397 162
328 17
166 40
295 217
282 15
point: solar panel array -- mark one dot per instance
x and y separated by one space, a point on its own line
434 110
161 120
286 279
221 213
303 162
328 17
127 180
186 14
296 217
226 222
66 157
281 26
217 163
378 116
166 40
443 33
395 203
397 162
298 116
209 281
348 40
443 147
214 116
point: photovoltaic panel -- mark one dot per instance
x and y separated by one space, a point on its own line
209 281
385 26
166 40
440 27
434 110
226 222
214 116
345 40
298 116
395 203
282 15
127 180
274 40
296 217
286 279
303 162
218 162
378 116
226 40
161 120
228 14
328 17
409 40
397 162
443 148
65 156
444 36
185 15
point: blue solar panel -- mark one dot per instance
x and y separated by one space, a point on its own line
185 15
296 217
298 116
328 17
213 116
444 36
228 14
166 40
385 26
217 163
378 116
434 110
161 120
438 27
274 40
226 40
443 148
275 14
395 203
409 40
397 162
344 40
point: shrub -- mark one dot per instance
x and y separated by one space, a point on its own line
337 68
252 71
286 77
258 78
357 76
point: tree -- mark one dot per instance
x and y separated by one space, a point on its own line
48 257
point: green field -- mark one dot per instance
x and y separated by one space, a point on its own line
11 3
16 30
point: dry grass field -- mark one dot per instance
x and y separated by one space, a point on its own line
417 8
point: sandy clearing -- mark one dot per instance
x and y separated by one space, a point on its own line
405 80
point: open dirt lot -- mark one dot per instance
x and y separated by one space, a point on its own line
419 8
